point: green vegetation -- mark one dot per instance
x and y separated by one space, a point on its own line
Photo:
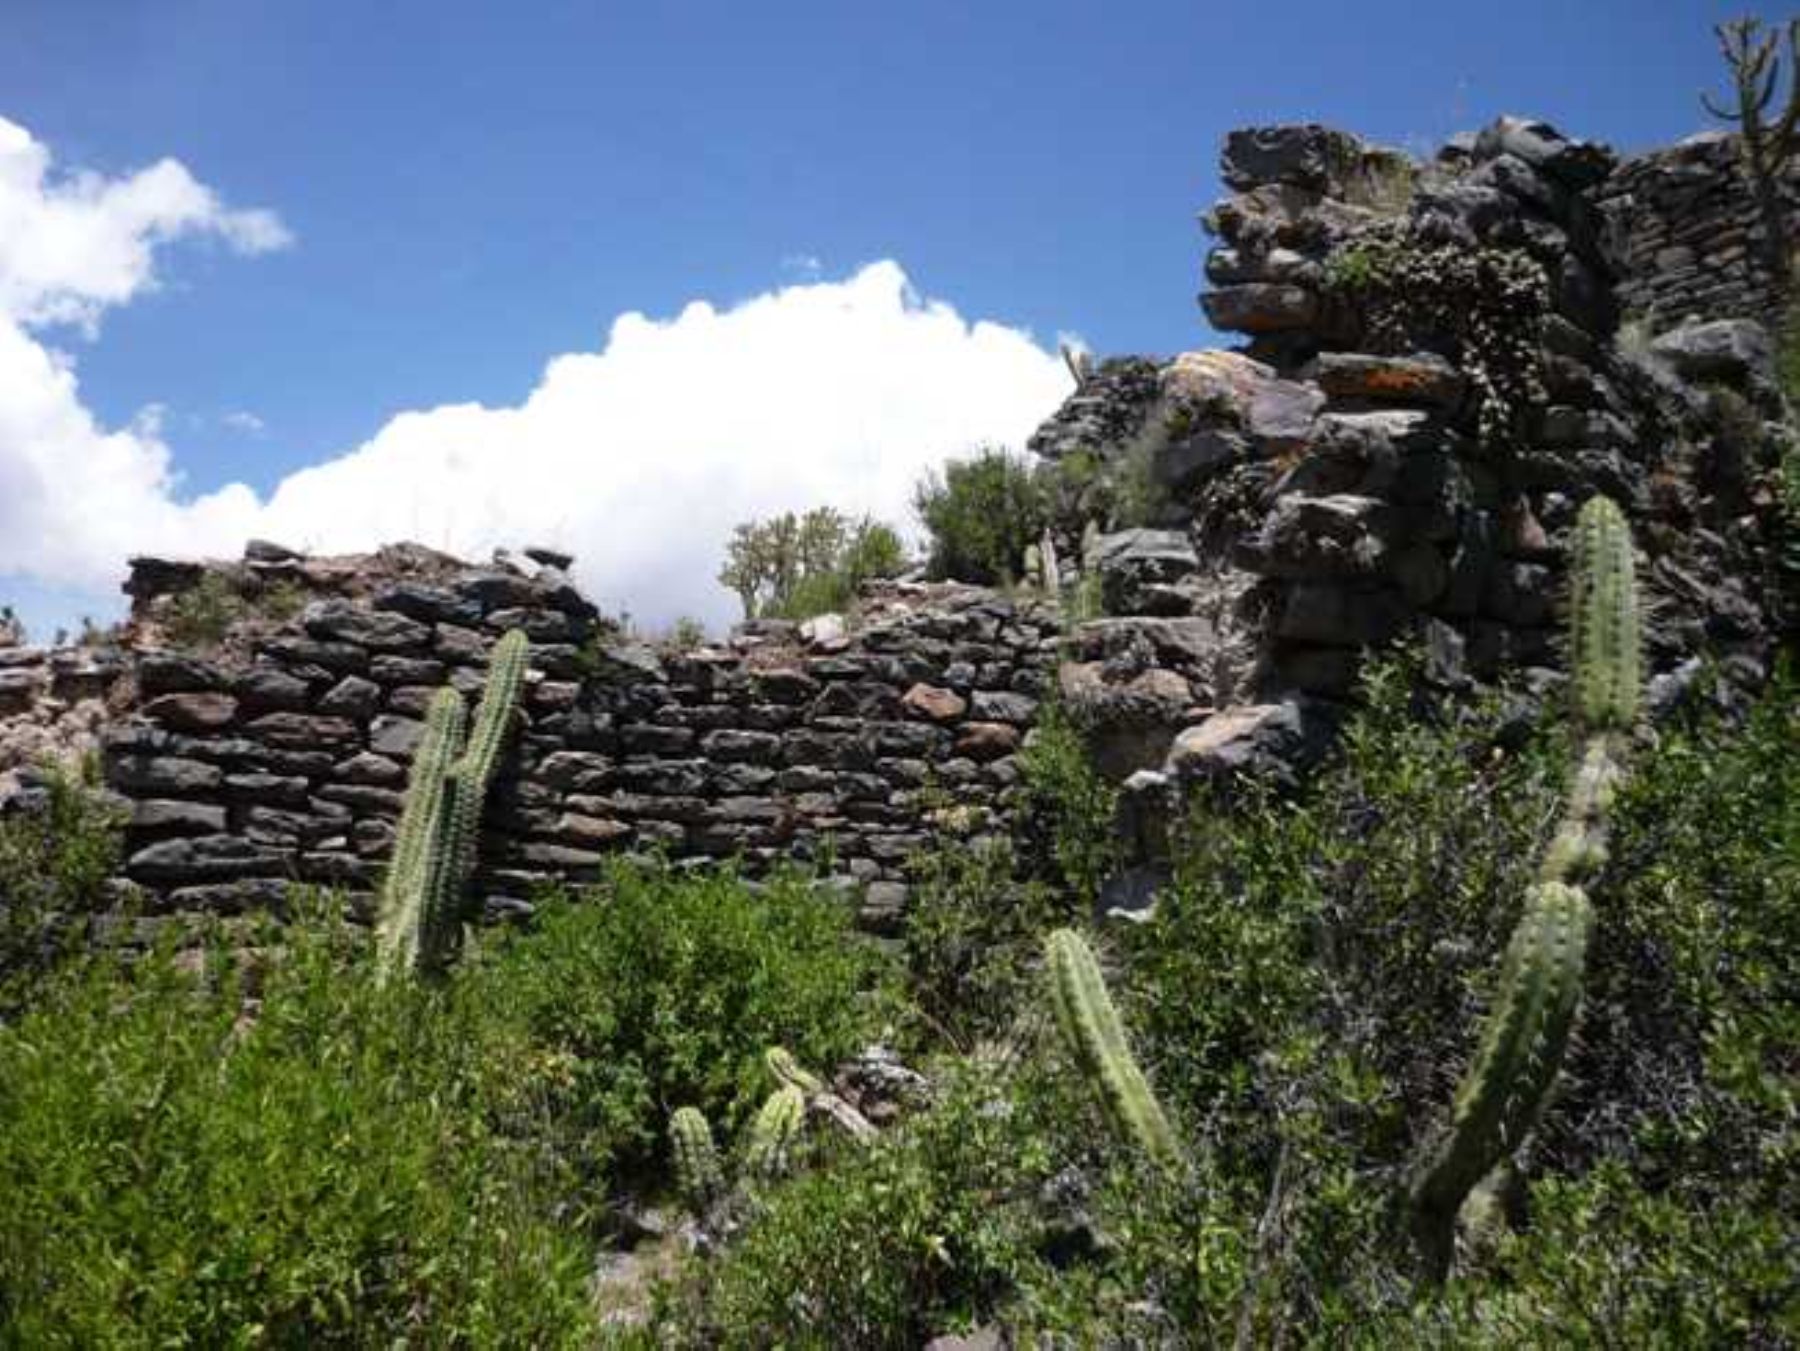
1482 307
54 865
983 513
201 616
795 567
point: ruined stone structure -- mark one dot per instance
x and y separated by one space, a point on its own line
1429 388
1689 236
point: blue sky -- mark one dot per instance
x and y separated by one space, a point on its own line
472 189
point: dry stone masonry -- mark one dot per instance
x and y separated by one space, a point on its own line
283 759
1690 237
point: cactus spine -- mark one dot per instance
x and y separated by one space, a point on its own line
773 1132
1095 1037
697 1169
420 924
1528 1029
403 895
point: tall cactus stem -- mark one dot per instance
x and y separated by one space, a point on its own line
1521 1050
465 793
1095 1038
1606 641
404 892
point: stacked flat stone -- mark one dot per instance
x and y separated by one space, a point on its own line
1328 498
243 781
1691 236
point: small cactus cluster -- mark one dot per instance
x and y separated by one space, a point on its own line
1533 1016
767 1147
421 912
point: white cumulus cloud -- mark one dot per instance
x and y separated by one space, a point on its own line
638 457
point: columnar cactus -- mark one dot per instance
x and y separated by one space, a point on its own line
403 895
788 1071
772 1133
1534 1011
1095 1037
1522 1048
698 1173
434 853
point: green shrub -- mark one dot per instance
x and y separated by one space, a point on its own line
662 990
795 567
54 865
982 514
201 616
330 1162
924 1231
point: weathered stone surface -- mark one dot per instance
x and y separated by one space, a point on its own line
167 815
1273 740
302 732
1341 615
1573 163
351 697
153 776
1261 308
196 712
981 741
265 689
938 705
1131 562
1735 350
176 672
1425 380
730 744
204 858
1003 706
390 734
373 768
379 630
1340 535
1307 155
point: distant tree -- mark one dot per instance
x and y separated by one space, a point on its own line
1767 144
793 567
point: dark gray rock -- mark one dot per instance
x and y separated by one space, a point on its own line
204 858
1306 155
154 776
1734 350
351 697
378 630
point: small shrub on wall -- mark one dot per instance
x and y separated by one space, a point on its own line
982 513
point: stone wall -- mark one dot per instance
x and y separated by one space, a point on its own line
283 758
1689 236
1343 480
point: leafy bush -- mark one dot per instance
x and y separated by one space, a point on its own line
925 1230
329 1162
663 990
55 861
982 513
